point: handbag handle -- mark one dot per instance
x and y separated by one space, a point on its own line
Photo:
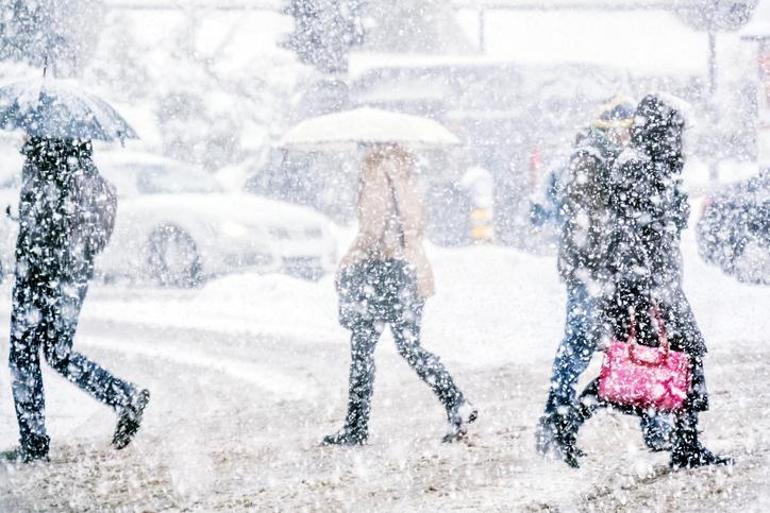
662 338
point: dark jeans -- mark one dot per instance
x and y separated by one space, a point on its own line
46 317
406 332
576 348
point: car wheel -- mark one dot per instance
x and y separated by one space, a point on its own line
174 259
752 261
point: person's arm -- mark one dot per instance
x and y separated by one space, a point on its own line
681 207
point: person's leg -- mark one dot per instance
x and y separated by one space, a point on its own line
657 430
590 402
562 428
687 451
363 341
28 330
428 366
75 367
575 351
126 399
27 387
556 428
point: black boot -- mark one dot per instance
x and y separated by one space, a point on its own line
130 419
360 388
346 436
33 448
459 416
356 428
545 434
557 432
687 450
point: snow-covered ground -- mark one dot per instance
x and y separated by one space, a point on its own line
248 373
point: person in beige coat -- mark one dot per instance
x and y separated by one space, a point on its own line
385 278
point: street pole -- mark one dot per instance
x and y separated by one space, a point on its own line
712 64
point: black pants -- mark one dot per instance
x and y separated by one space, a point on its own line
406 332
45 318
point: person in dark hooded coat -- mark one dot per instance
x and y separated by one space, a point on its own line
650 210
65 218
584 268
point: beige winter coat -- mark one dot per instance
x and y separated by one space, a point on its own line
385 176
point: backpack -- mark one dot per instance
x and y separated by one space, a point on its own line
95 208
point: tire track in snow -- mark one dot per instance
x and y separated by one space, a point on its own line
279 384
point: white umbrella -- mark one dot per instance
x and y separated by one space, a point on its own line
368 125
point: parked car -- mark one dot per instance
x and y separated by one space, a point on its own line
734 229
177 227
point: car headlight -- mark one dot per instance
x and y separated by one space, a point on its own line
233 229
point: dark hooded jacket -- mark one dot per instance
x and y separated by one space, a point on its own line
584 203
54 244
649 210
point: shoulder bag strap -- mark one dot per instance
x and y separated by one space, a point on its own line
401 236
661 327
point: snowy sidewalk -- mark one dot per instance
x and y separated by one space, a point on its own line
249 373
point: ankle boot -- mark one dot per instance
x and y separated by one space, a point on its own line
557 432
356 428
459 416
345 436
32 448
130 419
687 451
354 432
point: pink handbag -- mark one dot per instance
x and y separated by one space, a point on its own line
645 377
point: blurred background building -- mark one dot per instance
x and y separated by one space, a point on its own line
216 83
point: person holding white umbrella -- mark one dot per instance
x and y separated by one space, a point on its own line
386 278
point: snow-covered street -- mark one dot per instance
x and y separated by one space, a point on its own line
248 373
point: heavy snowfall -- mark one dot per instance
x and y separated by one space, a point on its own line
260 153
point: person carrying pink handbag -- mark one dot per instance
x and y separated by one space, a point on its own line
649 211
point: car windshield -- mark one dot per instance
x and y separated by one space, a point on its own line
133 179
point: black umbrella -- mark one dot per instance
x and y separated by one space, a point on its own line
59 109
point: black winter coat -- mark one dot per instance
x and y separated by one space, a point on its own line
51 248
583 206
649 210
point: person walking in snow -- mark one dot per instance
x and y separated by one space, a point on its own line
66 215
582 263
385 278
649 210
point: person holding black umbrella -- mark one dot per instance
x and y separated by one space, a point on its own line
66 215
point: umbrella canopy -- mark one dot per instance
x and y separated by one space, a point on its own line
368 125
60 109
